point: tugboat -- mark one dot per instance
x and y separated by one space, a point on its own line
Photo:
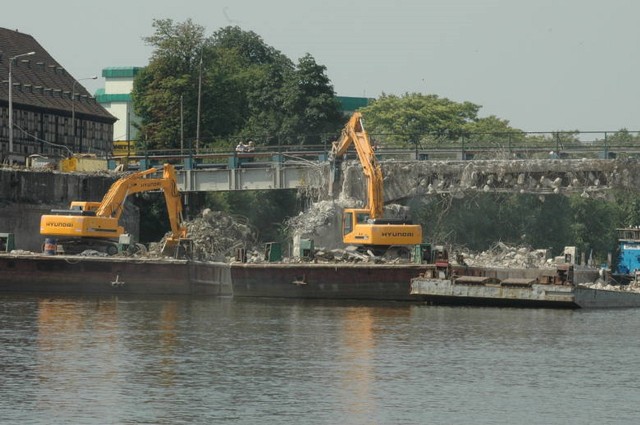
627 269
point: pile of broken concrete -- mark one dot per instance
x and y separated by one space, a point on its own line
215 236
502 255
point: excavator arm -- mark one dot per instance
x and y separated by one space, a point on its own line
354 134
113 202
174 208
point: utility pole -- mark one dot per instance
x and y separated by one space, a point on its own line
199 103
181 125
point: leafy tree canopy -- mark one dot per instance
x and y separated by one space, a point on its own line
244 89
414 116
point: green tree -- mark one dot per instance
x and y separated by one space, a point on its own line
313 110
247 90
416 117
492 131
257 73
169 81
621 137
593 223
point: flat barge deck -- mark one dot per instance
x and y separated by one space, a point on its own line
518 293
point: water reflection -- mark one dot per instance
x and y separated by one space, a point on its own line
186 360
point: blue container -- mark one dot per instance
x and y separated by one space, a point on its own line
50 246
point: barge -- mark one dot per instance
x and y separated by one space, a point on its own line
557 291
37 273
324 281
354 281
111 275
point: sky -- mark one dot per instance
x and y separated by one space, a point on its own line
543 65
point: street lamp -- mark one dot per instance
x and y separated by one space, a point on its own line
199 102
73 106
11 59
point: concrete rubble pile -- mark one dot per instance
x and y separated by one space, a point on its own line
321 222
502 255
216 235
602 285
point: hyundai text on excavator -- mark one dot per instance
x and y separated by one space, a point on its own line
365 227
94 225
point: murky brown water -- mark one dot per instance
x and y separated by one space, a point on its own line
87 360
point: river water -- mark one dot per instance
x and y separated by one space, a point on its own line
108 360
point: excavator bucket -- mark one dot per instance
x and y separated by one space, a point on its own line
178 248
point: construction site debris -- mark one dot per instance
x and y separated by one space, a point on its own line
215 235
506 256
602 285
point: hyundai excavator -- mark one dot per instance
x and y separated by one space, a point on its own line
94 225
365 227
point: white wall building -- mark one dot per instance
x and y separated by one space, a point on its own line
116 98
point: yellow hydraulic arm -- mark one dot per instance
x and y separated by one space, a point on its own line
354 133
112 204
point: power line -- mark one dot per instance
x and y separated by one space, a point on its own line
42 140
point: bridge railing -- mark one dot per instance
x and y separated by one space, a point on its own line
513 145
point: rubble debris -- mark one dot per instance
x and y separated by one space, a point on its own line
215 236
93 253
506 256
321 222
602 285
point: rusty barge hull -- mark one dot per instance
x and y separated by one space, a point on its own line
449 292
390 282
111 275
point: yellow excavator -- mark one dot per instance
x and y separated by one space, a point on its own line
365 227
94 225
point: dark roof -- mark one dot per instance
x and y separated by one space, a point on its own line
39 81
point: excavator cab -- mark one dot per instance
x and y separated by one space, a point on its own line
358 228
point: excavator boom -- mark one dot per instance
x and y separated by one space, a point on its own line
354 134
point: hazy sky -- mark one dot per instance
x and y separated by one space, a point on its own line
541 64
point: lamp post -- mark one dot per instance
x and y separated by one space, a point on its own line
73 106
199 101
11 59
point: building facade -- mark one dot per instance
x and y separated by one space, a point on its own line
52 114
116 99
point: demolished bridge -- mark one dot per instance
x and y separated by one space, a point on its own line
408 179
